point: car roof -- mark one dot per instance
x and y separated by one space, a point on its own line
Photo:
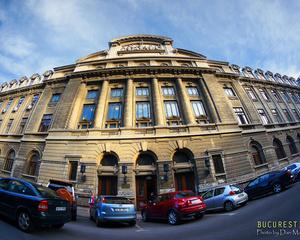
175 192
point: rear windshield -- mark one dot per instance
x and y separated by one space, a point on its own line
235 189
45 192
184 194
116 200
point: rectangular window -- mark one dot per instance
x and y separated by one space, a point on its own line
218 164
88 112
10 122
142 91
229 92
73 166
45 123
251 94
276 115
22 125
287 115
241 116
276 96
171 109
286 96
295 98
263 116
35 99
19 103
92 94
114 111
7 106
192 91
55 98
142 110
116 92
296 114
198 109
264 94
168 91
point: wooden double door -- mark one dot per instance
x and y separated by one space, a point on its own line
185 181
146 186
107 185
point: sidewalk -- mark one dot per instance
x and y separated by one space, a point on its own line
85 212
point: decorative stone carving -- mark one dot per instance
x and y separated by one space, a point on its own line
48 73
22 79
141 47
35 76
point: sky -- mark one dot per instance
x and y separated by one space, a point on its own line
37 35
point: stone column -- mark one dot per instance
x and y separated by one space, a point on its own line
128 103
158 110
78 104
185 102
99 114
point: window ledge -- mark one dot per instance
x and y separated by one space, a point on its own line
282 159
295 155
220 174
5 171
261 165
29 176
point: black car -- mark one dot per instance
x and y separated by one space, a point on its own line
274 181
31 205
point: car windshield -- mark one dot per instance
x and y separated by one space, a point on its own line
45 192
235 189
291 167
116 200
184 194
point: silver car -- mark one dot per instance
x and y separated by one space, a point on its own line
226 197
294 169
113 209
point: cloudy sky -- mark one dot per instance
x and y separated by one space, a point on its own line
37 35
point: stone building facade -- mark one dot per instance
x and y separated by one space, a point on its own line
145 117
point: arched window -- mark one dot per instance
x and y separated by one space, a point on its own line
280 153
290 141
9 160
257 152
145 159
33 164
181 157
109 160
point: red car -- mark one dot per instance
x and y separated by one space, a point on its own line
174 206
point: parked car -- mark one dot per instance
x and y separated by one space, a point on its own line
174 206
66 191
294 169
226 197
274 181
113 209
32 205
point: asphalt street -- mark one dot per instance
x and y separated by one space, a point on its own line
238 224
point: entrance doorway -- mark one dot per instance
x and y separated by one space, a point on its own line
185 181
145 185
107 185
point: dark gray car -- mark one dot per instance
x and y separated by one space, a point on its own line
225 197
113 209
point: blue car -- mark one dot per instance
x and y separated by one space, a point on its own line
113 209
32 205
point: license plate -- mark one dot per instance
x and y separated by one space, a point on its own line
121 209
196 201
60 209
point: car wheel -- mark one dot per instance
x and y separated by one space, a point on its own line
228 206
132 223
58 226
277 188
199 215
145 217
24 221
98 221
173 218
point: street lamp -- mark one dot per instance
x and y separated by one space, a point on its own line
124 171
166 170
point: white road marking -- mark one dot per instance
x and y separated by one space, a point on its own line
140 229
219 214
